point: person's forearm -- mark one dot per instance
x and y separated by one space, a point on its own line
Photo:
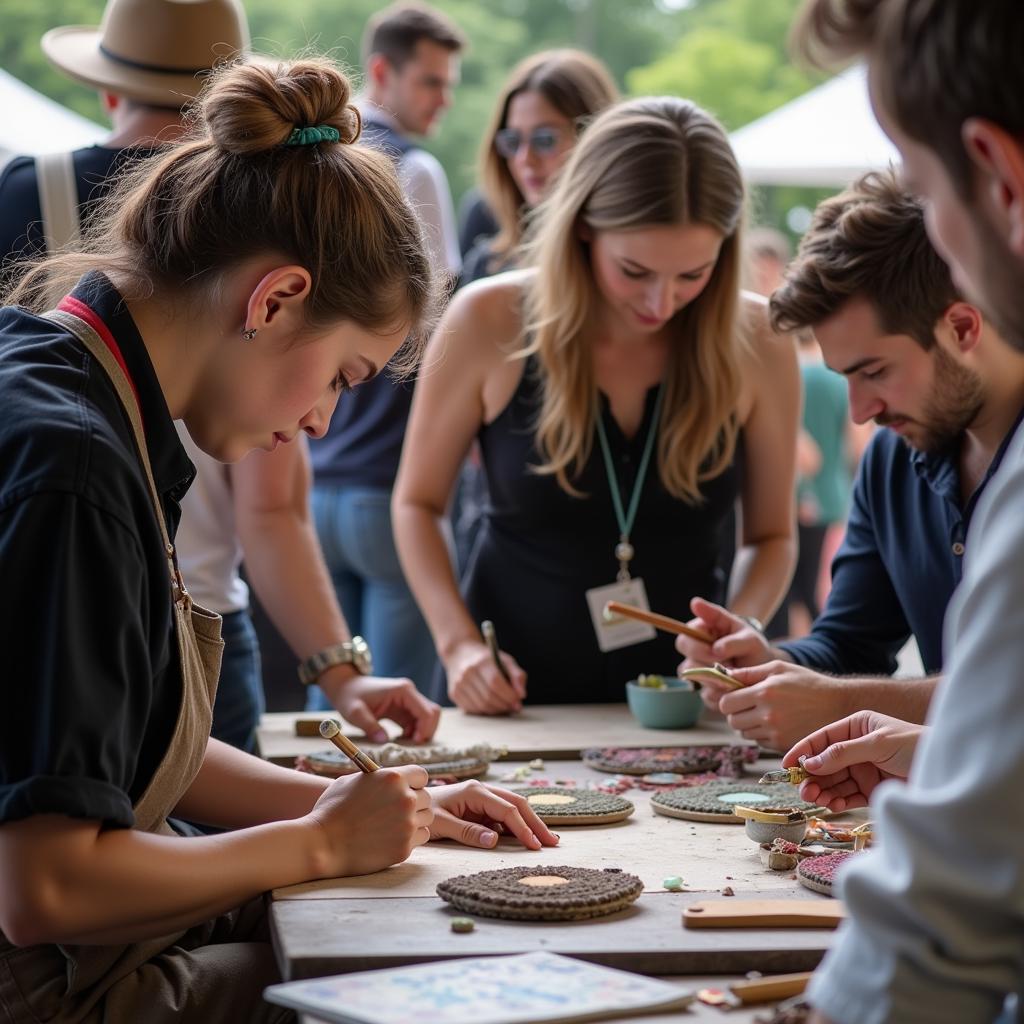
907 699
83 885
428 569
763 572
236 790
285 565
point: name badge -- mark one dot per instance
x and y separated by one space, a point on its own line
614 631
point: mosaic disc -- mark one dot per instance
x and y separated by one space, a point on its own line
557 805
333 763
714 801
818 873
681 760
542 893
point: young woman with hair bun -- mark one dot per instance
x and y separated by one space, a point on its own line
624 394
240 281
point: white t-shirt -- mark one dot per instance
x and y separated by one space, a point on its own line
209 553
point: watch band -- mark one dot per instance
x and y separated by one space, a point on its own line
752 622
354 652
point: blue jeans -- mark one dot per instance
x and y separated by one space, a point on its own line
240 701
354 524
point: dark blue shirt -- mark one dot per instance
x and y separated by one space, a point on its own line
899 563
91 676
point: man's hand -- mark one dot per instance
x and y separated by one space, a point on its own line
849 758
735 643
365 700
474 813
477 686
781 703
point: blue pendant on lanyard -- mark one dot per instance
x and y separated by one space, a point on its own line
624 551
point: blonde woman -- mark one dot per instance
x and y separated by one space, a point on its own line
545 103
624 394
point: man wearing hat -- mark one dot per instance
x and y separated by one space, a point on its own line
149 59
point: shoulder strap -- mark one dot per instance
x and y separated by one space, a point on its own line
98 349
58 200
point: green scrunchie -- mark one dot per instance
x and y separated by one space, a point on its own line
312 135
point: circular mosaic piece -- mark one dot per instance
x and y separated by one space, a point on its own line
681 760
818 873
542 893
333 763
714 801
556 805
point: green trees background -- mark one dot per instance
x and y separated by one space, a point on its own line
728 55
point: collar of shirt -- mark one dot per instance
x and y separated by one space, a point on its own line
371 113
173 471
942 474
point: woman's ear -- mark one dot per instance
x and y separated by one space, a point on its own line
278 298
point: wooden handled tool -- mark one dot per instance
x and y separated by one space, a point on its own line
764 913
330 730
662 622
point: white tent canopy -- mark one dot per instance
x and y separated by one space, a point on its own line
827 137
34 124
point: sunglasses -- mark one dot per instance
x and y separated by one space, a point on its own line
542 141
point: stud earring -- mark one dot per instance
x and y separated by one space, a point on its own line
249 334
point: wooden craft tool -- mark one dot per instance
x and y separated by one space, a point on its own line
764 913
308 726
491 636
718 673
330 730
662 622
769 989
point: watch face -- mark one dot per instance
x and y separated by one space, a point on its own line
361 657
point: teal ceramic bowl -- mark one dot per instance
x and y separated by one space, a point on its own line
676 706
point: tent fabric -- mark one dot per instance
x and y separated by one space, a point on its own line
33 124
825 138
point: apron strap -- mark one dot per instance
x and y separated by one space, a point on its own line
98 349
58 200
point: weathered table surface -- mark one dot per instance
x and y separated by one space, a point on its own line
557 732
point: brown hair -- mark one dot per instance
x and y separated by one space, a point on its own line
232 189
939 63
868 241
578 86
643 162
394 32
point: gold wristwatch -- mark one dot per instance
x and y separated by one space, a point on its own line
354 652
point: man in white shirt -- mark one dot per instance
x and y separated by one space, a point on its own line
411 60
936 928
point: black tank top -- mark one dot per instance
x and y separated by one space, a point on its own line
541 549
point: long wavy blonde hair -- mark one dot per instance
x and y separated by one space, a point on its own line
641 163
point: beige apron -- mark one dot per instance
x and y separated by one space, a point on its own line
86 973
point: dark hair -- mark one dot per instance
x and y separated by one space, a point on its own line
394 32
940 63
232 189
869 241
578 86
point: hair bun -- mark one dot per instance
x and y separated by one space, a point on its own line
253 108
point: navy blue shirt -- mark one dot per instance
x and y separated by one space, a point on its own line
899 563
91 676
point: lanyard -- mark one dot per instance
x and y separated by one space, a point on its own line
624 550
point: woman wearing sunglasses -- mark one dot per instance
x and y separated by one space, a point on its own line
624 393
545 103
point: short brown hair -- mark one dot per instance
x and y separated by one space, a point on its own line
394 32
234 188
939 63
869 241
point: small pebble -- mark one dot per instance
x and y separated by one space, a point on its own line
463 925
537 764
727 891
674 883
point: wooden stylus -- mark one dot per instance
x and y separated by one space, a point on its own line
330 730
662 622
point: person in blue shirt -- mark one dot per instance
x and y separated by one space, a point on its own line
928 368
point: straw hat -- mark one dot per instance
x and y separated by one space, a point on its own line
152 51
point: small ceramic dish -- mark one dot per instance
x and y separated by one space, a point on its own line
674 705
766 824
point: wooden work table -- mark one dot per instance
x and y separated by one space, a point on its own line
394 917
